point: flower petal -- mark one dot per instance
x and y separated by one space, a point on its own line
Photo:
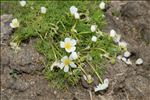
77 16
73 56
62 44
73 42
11 25
66 68
61 65
65 57
73 65
106 81
67 39
73 10
73 49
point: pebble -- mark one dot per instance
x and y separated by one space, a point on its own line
139 61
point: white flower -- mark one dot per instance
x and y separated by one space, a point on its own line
139 61
66 62
127 54
43 10
94 38
112 33
14 23
102 86
77 16
73 56
119 57
68 44
122 44
22 3
73 10
15 46
102 5
93 28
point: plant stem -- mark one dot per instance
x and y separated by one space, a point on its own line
95 72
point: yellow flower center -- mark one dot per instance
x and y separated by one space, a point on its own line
67 61
68 45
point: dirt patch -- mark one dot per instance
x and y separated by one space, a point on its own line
22 77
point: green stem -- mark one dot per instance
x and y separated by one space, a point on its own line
54 52
95 72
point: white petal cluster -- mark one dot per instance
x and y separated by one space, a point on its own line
112 33
74 11
14 23
68 44
43 10
94 38
102 5
93 28
66 62
22 3
127 54
73 56
103 86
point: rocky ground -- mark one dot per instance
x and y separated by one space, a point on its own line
22 78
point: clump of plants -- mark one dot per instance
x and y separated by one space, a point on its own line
73 43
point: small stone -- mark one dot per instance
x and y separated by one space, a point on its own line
55 92
139 61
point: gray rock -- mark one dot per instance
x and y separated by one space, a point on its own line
6 30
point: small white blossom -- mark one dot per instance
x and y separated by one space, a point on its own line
77 16
68 44
93 28
66 62
94 38
103 86
102 5
43 10
139 61
127 54
22 3
73 10
14 23
112 33
73 56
